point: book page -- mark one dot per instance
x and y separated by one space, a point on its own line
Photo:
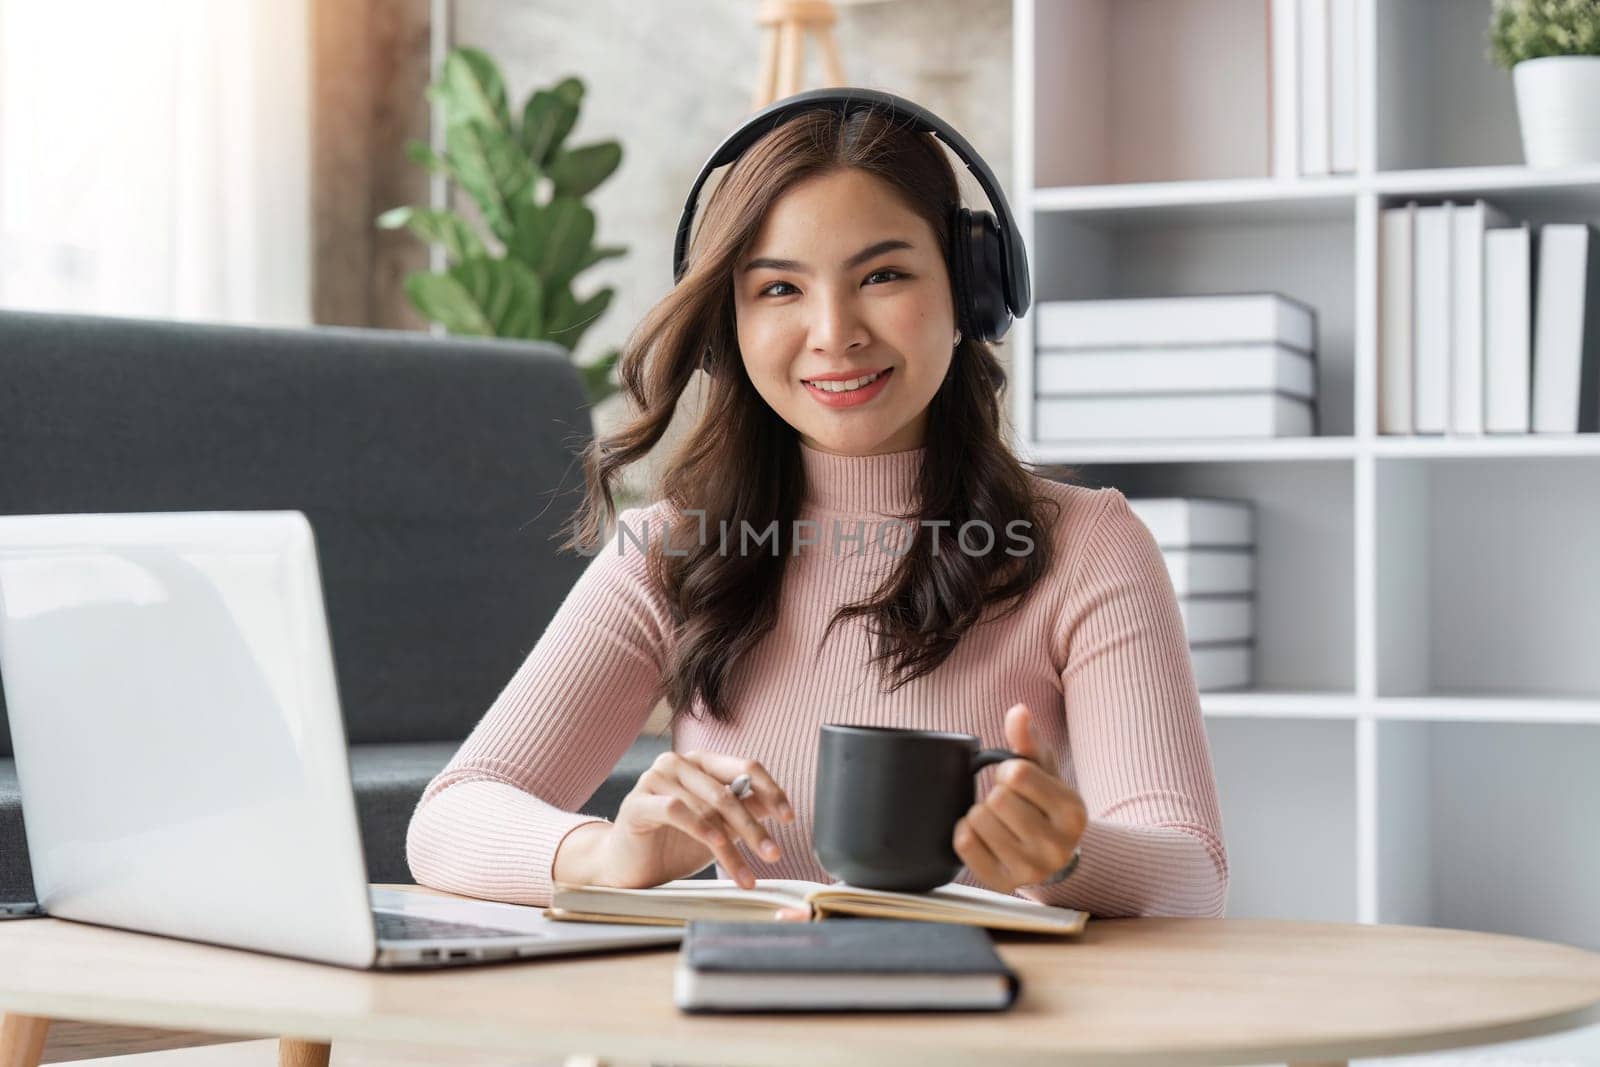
956 899
778 892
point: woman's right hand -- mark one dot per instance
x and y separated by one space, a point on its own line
681 815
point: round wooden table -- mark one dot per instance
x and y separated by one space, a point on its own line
1124 992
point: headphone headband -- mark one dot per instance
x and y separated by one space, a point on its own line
849 100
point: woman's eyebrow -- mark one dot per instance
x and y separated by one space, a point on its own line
892 245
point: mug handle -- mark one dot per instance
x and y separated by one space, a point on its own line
989 756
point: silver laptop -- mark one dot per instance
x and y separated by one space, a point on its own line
181 754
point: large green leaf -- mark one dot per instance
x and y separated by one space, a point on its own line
511 296
569 319
552 239
484 296
578 172
493 170
548 117
422 154
445 300
438 227
470 89
600 253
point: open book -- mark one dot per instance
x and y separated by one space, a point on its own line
675 903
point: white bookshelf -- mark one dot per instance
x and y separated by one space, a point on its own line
1423 744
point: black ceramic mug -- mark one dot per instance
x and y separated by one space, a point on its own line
888 800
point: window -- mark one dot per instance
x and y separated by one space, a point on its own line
154 159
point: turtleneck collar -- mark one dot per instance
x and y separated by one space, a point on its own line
883 484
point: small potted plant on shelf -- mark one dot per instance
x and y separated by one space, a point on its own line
1552 48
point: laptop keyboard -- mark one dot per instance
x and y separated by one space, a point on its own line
400 926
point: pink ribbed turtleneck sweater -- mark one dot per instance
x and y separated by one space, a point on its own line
1097 651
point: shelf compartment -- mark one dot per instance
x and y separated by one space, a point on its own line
1304 554
1484 826
1486 577
1276 449
1559 191
1085 257
1504 446
1441 102
1467 708
1279 704
1288 795
1127 91
1231 201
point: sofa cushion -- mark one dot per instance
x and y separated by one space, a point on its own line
439 475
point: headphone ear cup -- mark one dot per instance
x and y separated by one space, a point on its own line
961 272
986 295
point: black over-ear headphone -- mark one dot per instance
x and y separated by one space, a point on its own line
988 264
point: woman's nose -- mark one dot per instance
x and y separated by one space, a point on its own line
837 326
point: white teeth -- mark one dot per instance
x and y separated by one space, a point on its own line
847 386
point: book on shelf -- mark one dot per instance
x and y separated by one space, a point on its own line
1471 222
1314 87
1172 416
1508 328
1433 320
1221 368
1218 619
1196 521
1566 325
1201 319
1343 118
1283 100
860 965
1218 667
1312 100
1397 242
1201 571
678 902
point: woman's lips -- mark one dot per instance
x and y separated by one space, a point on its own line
853 398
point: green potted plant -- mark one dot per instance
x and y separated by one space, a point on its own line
1552 48
513 278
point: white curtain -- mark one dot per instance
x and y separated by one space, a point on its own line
155 158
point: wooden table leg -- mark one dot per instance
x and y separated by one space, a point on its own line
295 1053
22 1040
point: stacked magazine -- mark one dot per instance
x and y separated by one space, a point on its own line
1211 366
1209 548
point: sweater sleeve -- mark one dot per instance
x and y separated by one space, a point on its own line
1153 844
489 824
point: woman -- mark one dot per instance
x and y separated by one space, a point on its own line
865 550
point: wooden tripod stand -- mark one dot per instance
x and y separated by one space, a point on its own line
784 24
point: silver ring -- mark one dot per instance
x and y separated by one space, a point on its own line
740 786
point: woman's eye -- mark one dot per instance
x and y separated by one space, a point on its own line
894 275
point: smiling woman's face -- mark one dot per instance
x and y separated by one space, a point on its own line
843 280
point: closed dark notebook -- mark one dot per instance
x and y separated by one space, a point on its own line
841 965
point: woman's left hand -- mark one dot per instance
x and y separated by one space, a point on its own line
1029 822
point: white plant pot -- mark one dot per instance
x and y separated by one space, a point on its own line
1558 108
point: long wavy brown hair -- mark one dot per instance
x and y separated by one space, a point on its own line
742 463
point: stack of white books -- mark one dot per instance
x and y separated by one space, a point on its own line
1468 343
1314 117
1225 365
1209 547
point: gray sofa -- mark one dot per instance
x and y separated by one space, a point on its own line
437 474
